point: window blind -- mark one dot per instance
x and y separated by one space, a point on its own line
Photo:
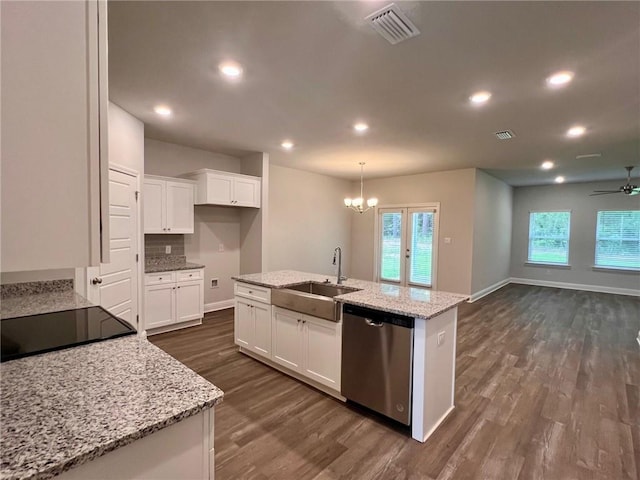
618 239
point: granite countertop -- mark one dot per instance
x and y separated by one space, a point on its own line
157 268
31 298
410 301
62 409
42 303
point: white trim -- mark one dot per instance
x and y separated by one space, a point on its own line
215 306
577 286
561 266
490 289
631 271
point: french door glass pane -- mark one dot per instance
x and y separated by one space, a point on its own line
421 248
391 245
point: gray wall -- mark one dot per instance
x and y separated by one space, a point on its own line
455 192
491 232
126 139
213 226
307 220
574 197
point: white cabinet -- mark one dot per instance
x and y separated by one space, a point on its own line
168 205
308 345
252 319
286 338
223 188
173 298
54 135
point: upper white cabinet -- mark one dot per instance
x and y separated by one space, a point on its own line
168 205
223 188
54 135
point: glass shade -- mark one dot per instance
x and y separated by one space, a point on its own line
357 202
372 202
347 202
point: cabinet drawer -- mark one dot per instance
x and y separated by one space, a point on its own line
261 294
185 275
159 278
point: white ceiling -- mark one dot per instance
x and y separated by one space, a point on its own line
311 69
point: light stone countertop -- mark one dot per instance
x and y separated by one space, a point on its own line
410 301
23 305
172 267
64 408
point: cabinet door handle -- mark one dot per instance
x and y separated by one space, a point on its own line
178 287
96 281
304 321
298 320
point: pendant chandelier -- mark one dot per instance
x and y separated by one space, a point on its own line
357 204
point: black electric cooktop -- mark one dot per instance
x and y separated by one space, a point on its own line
46 332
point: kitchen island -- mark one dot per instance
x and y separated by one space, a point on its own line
434 337
116 409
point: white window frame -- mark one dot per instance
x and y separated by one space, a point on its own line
435 206
549 264
595 247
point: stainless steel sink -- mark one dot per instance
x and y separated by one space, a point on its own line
315 299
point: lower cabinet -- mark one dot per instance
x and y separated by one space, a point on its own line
171 298
307 345
252 322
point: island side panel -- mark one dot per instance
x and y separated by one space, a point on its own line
182 450
433 372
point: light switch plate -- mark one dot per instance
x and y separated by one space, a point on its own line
167 249
440 338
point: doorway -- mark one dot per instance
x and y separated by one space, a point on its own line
406 245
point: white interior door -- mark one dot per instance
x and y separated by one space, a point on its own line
407 246
114 285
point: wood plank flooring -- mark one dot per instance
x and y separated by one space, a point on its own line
547 387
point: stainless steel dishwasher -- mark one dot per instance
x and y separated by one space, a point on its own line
377 356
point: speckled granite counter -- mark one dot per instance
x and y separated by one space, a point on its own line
42 303
31 298
172 267
62 409
414 302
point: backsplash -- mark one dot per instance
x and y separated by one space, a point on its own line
155 244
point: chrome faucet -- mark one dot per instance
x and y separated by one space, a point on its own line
338 251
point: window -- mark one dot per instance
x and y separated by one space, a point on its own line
618 239
549 237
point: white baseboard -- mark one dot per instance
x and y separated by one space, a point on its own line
490 289
577 286
215 306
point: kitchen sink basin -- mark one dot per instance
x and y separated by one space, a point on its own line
315 299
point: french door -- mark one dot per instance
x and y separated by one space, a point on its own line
407 246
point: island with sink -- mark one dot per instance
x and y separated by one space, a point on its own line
354 339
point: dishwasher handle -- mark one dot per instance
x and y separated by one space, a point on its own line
371 323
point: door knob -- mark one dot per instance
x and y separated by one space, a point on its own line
96 281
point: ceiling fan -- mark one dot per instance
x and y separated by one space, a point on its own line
627 189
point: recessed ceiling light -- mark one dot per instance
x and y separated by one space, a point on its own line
287 144
547 165
559 79
230 69
559 179
576 131
361 127
162 110
480 97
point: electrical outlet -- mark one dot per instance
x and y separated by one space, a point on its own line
440 338
221 247
214 283
167 249
447 240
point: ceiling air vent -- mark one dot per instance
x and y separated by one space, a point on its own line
392 24
505 135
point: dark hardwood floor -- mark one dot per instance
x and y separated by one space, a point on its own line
547 387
